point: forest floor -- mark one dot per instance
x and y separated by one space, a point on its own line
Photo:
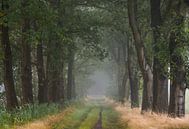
105 114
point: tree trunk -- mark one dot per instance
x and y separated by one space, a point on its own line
53 85
178 87
54 71
74 87
177 90
121 79
42 89
55 63
160 81
7 63
60 80
123 87
144 66
70 74
133 79
177 67
26 71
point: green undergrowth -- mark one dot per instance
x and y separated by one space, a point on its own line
25 114
32 112
86 116
91 120
73 120
111 120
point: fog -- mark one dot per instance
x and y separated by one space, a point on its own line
101 83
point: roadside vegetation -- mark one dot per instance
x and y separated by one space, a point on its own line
74 119
25 114
86 117
111 119
30 113
91 119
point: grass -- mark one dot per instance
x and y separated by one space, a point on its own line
25 114
91 120
74 119
111 120
86 116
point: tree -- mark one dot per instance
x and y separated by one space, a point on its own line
178 48
160 81
70 85
26 71
142 59
42 88
133 79
55 55
7 62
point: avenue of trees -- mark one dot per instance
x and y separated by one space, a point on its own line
49 47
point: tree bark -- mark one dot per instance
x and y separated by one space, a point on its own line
42 88
54 71
121 75
178 85
74 87
55 63
133 79
177 67
123 89
61 82
126 86
177 90
160 80
7 64
26 71
144 66
70 74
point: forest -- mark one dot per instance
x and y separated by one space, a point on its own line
94 64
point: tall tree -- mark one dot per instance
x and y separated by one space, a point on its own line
7 62
177 62
133 79
55 55
42 87
124 89
142 59
54 69
26 69
70 80
160 81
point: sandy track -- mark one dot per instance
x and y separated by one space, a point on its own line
99 122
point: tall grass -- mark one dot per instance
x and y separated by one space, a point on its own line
150 121
24 114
